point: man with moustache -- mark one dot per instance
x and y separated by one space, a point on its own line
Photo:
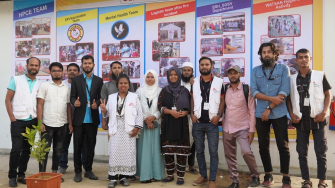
109 88
85 97
187 79
207 104
270 85
73 70
308 106
54 110
21 108
237 126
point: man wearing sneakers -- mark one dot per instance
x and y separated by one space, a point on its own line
239 126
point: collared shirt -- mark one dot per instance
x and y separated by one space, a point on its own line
307 123
236 118
31 85
88 115
56 97
279 85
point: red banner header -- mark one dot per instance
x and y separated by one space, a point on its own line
275 5
170 11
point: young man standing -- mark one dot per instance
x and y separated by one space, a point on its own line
53 108
21 108
308 106
85 97
270 85
207 106
239 124
73 70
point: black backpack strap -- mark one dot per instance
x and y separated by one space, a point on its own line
225 91
246 92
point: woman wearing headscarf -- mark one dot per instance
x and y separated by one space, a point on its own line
125 119
150 162
174 104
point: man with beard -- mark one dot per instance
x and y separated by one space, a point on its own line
207 104
73 70
187 79
85 97
239 124
270 85
54 110
21 108
109 88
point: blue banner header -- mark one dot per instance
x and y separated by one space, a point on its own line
33 11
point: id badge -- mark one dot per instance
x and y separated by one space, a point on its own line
89 104
206 106
174 108
306 102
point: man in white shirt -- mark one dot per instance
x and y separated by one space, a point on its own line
54 109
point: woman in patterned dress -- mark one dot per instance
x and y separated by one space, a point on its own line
125 119
174 104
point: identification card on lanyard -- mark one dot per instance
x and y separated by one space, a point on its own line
206 103
88 102
173 108
306 101
206 106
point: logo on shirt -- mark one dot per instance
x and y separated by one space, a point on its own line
131 104
75 32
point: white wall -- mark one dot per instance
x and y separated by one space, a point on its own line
6 51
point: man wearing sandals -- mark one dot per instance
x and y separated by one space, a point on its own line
308 106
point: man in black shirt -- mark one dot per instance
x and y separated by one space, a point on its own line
308 106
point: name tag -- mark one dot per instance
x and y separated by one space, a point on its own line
206 106
174 108
89 104
306 102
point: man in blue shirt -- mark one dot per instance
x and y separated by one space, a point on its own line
270 85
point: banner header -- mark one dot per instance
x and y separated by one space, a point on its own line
33 11
222 7
170 11
271 6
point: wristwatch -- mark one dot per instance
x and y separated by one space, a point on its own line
219 114
268 107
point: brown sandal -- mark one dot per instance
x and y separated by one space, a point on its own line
323 185
306 184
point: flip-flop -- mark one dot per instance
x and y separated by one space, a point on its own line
194 171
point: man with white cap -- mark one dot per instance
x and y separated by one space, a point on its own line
187 79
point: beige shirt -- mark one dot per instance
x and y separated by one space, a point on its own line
55 98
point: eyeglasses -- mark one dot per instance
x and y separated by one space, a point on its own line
53 71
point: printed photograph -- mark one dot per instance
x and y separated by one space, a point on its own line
41 46
289 60
23 29
106 74
83 49
130 49
233 22
211 25
228 62
216 68
166 63
20 68
284 44
131 68
111 52
136 86
23 48
44 68
233 44
284 26
41 26
211 47
163 50
162 82
171 32
67 54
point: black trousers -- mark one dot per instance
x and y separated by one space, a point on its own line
55 135
20 152
192 156
280 130
89 131
320 148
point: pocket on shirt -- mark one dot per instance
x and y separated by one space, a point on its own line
277 79
260 80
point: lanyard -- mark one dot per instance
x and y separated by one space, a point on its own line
87 89
175 99
119 109
300 83
270 73
149 104
203 88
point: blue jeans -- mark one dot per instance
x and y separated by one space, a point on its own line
212 132
65 151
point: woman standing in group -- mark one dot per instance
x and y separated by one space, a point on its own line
150 162
174 104
125 119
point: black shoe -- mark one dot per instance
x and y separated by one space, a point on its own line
234 185
124 182
78 177
12 182
90 175
254 182
21 180
286 181
112 184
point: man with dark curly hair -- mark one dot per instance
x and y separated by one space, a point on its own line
270 85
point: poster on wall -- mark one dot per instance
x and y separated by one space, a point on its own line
169 36
33 35
223 34
121 38
77 36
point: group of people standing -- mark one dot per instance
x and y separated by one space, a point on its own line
160 129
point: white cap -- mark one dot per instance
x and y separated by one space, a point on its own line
188 64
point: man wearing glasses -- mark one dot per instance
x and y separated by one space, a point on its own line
270 85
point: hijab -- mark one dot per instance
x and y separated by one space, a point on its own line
151 91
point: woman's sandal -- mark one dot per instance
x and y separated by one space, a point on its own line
306 184
180 181
168 179
323 185
194 171
147 181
